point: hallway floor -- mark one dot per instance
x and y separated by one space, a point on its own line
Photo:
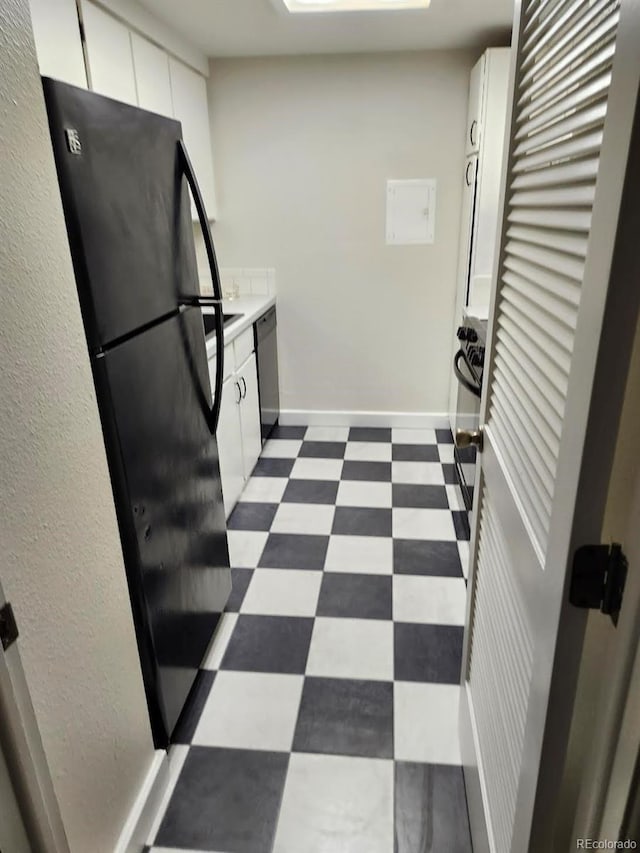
325 718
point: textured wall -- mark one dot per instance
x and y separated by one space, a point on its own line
61 563
303 147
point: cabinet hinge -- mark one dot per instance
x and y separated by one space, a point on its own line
598 577
8 626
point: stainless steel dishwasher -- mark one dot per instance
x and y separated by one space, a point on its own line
264 331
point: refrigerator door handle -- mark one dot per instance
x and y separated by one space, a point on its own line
216 299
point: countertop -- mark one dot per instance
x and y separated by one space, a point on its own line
250 307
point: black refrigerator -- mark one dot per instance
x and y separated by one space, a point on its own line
124 178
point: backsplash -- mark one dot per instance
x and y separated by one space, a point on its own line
240 281
247 282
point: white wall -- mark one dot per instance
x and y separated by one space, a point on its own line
303 148
60 558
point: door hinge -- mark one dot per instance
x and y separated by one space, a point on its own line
598 577
8 626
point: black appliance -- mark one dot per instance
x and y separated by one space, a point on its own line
468 366
124 176
265 339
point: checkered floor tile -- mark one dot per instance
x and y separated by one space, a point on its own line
325 717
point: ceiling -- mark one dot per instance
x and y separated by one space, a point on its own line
264 28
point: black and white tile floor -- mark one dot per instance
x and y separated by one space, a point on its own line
325 719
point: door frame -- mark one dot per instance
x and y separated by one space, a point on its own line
587 448
605 744
21 744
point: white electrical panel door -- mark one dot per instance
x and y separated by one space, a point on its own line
411 212
109 55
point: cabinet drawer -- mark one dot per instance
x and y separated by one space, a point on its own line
243 346
229 365
229 361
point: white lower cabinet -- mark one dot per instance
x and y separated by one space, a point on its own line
249 414
239 442
229 437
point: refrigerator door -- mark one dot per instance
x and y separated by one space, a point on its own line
156 400
127 210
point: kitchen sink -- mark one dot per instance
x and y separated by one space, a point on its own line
210 323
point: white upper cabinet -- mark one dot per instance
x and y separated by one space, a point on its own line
58 43
491 164
151 66
109 55
190 106
474 109
124 65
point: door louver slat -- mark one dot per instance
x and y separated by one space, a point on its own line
557 176
577 146
566 197
569 220
568 243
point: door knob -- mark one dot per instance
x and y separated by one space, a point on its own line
467 437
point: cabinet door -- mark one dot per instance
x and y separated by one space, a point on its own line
109 55
465 249
467 227
58 44
229 437
490 166
474 110
250 414
151 67
190 107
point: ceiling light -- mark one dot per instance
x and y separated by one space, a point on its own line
353 5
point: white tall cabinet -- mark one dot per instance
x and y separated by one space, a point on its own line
58 43
481 175
110 62
151 69
190 107
124 64
486 120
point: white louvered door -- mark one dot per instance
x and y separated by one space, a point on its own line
546 317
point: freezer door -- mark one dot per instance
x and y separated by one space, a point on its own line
156 402
127 210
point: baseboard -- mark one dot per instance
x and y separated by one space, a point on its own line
410 420
480 833
138 825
